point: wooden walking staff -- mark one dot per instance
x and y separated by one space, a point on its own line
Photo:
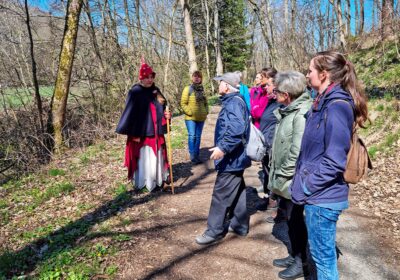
169 152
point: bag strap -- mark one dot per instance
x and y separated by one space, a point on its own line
247 123
341 100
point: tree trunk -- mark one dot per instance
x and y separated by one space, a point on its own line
264 30
139 26
206 13
34 72
169 50
386 18
293 17
361 18
348 18
63 79
321 28
128 24
189 37
286 15
217 43
342 28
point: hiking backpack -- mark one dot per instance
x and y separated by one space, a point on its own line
255 146
358 160
255 142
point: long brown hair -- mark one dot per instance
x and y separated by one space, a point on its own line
342 72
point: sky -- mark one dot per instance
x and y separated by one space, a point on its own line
45 5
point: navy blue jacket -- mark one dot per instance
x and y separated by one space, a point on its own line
268 122
136 119
326 140
230 132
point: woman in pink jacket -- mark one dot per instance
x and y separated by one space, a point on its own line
259 94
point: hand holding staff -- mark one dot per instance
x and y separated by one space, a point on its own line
169 150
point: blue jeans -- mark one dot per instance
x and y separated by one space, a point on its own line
194 132
321 229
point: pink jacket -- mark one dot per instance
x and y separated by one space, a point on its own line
258 103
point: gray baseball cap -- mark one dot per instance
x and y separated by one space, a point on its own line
232 78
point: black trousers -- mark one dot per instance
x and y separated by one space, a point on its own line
297 228
228 205
265 167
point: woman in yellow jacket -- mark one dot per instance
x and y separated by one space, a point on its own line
195 106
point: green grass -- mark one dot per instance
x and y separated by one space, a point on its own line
380 107
378 66
56 172
16 97
178 136
385 146
122 237
213 100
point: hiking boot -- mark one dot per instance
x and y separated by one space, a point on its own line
285 262
294 271
204 239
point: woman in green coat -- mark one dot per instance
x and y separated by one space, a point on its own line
290 90
195 106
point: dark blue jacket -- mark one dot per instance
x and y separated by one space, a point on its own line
231 129
326 140
268 122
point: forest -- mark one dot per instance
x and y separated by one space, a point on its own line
67 65
66 208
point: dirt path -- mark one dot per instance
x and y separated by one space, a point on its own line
164 247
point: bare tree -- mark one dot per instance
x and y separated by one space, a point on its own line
386 17
62 84
189 36
361 18
337 4
217 40
34 72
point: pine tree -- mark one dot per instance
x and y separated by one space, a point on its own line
234 38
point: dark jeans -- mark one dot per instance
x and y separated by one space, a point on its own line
297 228
228 205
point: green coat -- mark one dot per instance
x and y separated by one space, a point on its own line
193 111
286 146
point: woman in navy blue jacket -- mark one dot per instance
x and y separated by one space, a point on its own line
319 182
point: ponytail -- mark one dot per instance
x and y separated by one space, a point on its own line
343 72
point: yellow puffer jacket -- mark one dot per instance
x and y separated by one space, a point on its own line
194 111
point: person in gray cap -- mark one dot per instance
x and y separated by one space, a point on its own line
228 210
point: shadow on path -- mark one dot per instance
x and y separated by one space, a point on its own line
25 260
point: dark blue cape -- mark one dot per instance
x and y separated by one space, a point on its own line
136 118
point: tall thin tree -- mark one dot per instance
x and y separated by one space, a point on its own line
61 89
189 36
34 70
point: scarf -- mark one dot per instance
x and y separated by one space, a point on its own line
199 92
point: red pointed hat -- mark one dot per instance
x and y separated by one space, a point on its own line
145 70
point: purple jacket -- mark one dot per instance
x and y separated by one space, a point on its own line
319 171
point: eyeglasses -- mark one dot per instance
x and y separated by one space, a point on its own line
277 91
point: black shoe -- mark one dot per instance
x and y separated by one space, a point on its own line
196 161
285 262
294 271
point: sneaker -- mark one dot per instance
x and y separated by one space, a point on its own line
204 239
230 229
